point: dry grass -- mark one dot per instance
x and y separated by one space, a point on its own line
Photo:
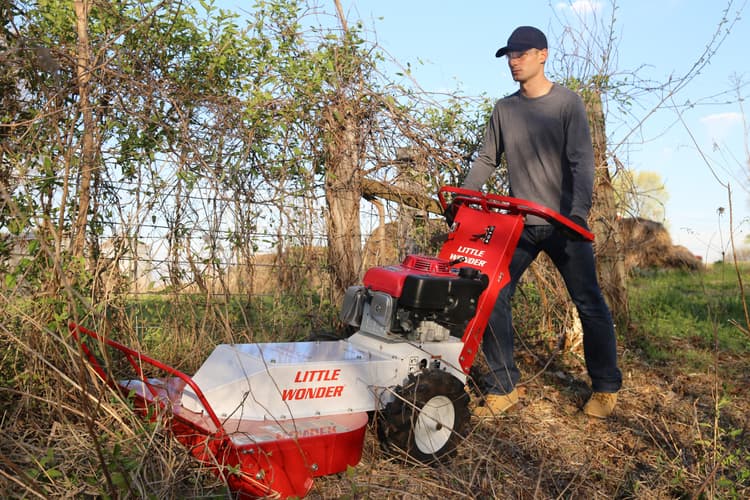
675 433
658 445
663 442
647 244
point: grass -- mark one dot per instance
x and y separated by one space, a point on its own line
678 315
680 429
186 327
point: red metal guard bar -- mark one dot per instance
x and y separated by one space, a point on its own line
136 360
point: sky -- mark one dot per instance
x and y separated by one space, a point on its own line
451 45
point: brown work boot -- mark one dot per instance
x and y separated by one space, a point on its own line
601 404
495 404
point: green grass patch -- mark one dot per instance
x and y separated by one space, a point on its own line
178 327
685 316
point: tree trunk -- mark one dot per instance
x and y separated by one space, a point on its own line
88 153
603 218
343 192
412 177
343 181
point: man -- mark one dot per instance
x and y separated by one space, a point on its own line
543 132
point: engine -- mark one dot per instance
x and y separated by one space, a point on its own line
423 299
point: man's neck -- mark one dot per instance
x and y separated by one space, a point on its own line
536 87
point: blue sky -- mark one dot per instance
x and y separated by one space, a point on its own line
451 45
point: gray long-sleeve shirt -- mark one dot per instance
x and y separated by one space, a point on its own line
547 145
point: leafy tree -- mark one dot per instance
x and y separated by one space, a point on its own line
640 194
134 109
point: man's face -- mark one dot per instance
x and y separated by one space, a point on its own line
526 65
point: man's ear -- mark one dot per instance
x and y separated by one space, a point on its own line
544 53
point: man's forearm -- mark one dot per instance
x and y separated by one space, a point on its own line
478 174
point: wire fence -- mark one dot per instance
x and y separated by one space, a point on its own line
160 253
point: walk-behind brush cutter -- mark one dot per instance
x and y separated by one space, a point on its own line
270 417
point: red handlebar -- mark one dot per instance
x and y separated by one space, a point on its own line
493 202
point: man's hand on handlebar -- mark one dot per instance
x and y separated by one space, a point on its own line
580 221
450 213
570 233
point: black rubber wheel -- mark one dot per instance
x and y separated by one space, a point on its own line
427 419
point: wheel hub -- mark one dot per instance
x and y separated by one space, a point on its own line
434 424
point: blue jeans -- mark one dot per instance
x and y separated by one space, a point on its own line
575 262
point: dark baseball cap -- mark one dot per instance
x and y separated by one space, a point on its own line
522 39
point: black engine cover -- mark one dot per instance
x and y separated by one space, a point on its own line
451 301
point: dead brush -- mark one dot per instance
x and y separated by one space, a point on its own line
674 435
69 435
